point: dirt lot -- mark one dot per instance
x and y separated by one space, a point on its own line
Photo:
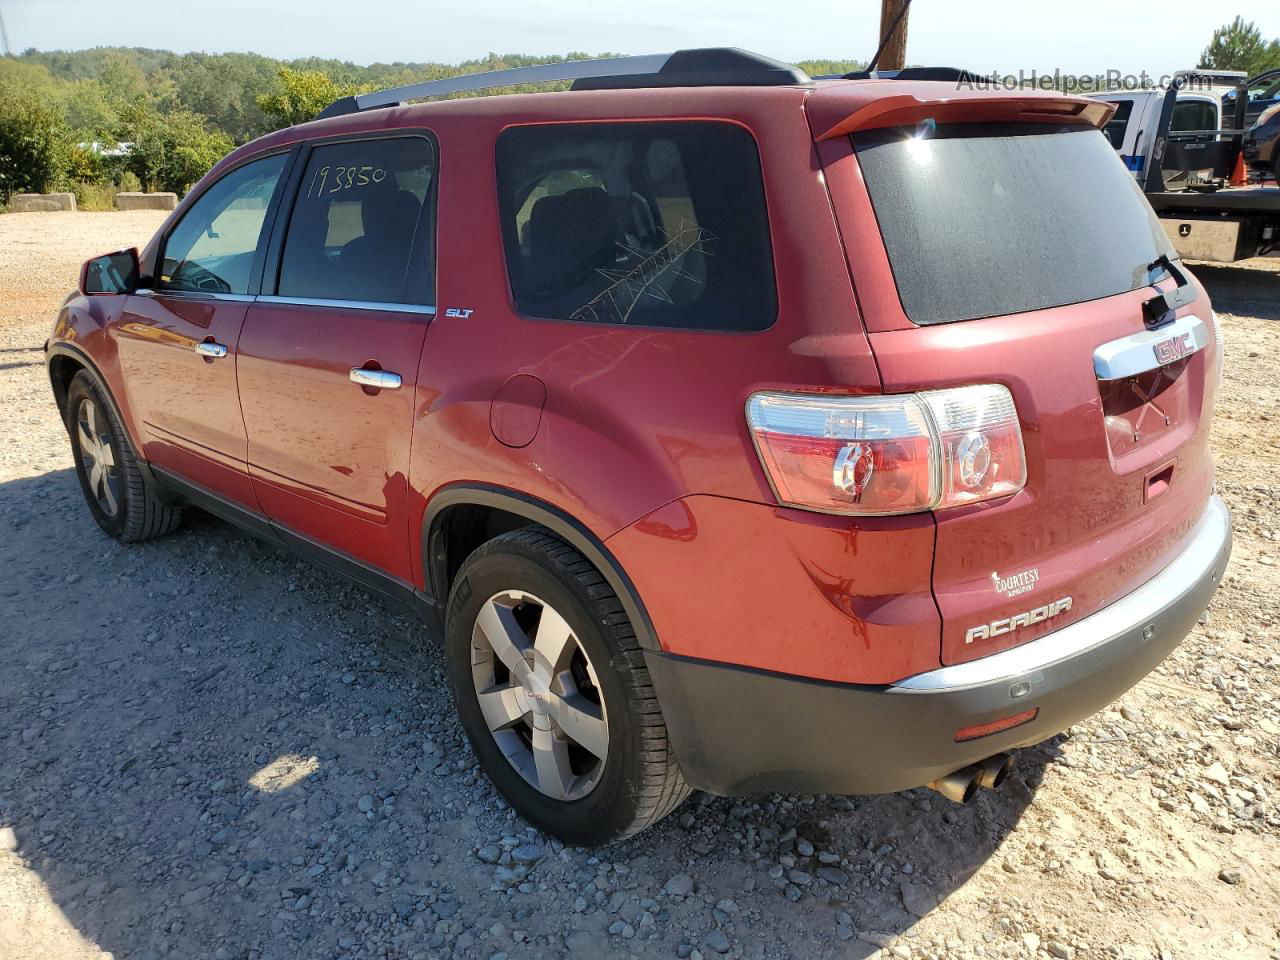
210 749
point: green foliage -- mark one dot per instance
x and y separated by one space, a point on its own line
827 68
34 145
170 151
94 194
305 93
183 112
225 88
1239 46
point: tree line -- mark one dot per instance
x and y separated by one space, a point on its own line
112 118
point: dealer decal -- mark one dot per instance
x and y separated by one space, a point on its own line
1016 583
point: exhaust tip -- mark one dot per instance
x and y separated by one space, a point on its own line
960 786
995 770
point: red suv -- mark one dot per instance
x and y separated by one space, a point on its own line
741 432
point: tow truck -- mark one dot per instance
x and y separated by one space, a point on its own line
1193 178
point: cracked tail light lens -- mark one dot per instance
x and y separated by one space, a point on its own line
894 454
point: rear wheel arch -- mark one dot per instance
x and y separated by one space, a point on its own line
463 517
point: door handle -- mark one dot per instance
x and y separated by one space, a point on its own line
377 379
211 349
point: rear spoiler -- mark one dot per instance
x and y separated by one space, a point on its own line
907 110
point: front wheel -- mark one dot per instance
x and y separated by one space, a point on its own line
553 692
110 477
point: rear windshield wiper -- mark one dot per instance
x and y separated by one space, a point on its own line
1160 309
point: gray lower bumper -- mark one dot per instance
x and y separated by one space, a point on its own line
737 730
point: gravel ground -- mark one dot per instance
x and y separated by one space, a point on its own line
211 749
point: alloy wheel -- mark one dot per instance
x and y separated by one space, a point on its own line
539 694
97 457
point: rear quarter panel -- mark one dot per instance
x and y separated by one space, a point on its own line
634 417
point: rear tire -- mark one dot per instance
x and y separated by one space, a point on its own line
110 478
571 732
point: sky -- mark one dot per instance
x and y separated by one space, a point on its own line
1080 36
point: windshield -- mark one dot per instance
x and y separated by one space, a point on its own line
982 220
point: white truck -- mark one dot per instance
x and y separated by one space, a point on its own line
1183 152
1196 148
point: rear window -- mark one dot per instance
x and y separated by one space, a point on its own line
1197 115
651 224
986 220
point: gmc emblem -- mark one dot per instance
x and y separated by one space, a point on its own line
1175 348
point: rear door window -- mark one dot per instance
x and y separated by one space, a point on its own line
986 220
654 224
359 229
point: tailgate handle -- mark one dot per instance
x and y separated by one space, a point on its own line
1157 482
1141 352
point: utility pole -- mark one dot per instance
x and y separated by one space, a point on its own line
893 34
4 36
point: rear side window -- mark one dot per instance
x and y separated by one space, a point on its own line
986 220
359 226
653 224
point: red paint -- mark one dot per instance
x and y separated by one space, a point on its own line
639 433
186 409
328 457
516 410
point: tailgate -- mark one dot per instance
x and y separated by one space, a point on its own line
1115 482
1022 255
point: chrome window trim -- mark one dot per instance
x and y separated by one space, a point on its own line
1135 354
196 295
1191 566
350 304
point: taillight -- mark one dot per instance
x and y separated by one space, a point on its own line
880 455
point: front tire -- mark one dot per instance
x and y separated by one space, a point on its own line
110 477
552 690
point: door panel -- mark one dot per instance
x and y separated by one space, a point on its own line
186 403
186 400
329 457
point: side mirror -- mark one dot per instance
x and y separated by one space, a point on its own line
110 273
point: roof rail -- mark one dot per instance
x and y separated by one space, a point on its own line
713 66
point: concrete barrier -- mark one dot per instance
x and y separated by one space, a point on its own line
42 202
146 201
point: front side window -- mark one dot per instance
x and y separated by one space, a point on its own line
357 231
212 248
655 224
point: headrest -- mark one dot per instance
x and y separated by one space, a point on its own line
569 235
389 213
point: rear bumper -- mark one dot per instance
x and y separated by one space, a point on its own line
737 730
